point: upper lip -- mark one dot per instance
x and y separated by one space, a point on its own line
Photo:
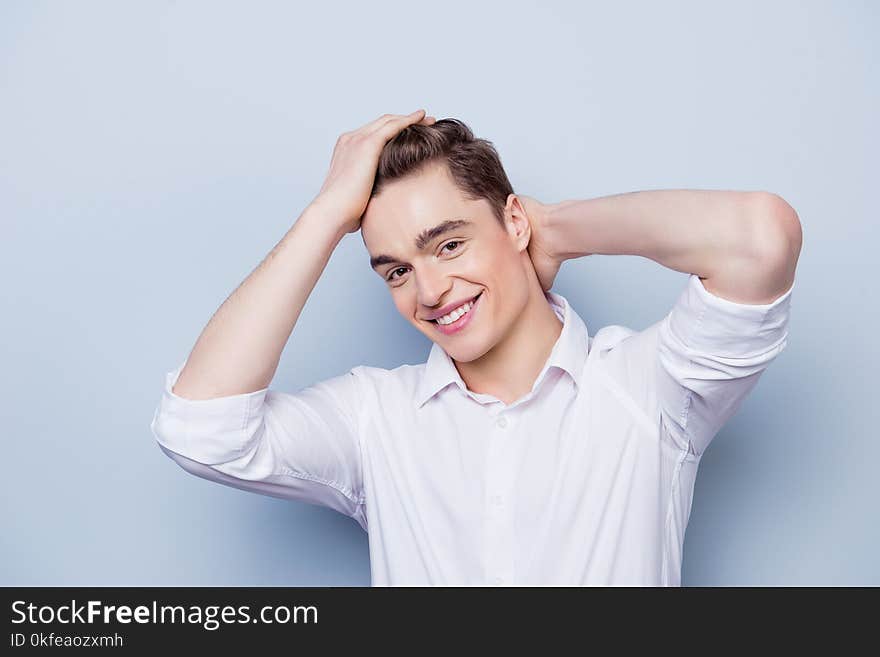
448 308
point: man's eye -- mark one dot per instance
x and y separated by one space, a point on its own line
455 242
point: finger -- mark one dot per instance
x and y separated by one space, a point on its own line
396 123
371 127
377 124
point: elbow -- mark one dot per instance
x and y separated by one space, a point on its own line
189 465
778 232
179 459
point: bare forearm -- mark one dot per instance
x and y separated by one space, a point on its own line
240 348
743 245
690 231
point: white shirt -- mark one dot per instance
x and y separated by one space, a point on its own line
586 480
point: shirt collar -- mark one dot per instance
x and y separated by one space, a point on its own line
569 354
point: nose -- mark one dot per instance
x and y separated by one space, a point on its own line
432 286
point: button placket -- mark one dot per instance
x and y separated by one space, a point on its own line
500 542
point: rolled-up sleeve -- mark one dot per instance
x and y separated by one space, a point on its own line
710 354
301 446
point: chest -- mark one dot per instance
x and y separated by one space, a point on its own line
467 459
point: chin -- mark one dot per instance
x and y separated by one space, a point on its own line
466 353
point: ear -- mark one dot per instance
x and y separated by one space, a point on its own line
517 223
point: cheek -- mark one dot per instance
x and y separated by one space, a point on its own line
405 303
489 262
399 301
500 264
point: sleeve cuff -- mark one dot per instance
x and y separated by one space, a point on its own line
206 429
705 321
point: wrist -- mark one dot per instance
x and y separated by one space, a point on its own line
558 225
551 226
323 221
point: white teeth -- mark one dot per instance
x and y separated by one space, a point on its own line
455 314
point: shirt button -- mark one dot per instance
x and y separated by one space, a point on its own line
502 422
497 500
497 580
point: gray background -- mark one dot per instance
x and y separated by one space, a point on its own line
153 153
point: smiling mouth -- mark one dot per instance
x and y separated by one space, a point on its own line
434 321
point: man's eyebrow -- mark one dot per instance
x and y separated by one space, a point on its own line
424 239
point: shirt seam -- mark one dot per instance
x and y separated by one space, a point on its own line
287 472
358 424
676 476
243 428
686 407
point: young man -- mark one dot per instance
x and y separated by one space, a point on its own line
524 451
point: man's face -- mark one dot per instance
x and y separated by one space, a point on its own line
453 267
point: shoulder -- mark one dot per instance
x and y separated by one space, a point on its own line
615 336
627 356
403 376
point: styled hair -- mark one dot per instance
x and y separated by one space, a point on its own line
473 163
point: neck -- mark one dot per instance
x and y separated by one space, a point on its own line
509 370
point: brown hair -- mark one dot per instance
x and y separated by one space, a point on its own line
473 163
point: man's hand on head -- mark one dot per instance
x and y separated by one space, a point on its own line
541 252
